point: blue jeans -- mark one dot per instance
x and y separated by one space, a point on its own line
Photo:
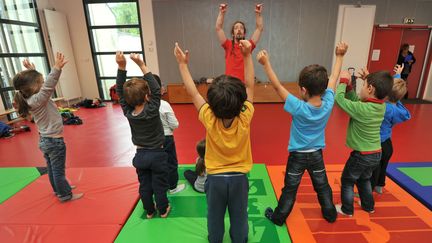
151 168
358 170
298 162
222 191
172 164
54 151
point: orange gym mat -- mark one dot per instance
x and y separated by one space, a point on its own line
35 215
398 218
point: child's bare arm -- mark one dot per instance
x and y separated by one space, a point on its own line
249 74
341 49
219 23
182 60
264 60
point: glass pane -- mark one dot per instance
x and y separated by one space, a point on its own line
106 85
9 66
108 66
20 39
9 100
125 39
113 14
25 10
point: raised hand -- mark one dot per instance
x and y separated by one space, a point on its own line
223 7
363 73
137 59
341 49
398 68
29 65
262 57
258 8
246 47
121 60
60 61
344 74
182 57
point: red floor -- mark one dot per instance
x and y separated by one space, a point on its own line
104 138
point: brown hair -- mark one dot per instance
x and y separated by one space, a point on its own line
200 165
25 83
135 91
232 34
398 91
314 79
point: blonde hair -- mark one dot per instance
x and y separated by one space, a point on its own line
398 91
135 91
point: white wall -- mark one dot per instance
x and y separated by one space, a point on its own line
74 11
148 35
428 89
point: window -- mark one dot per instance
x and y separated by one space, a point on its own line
20 37
112 26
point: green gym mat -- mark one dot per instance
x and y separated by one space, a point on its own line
187 221
421 175
12 180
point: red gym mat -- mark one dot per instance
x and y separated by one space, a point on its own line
398 218
110 195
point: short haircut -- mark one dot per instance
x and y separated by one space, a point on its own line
314 79
398 91
382 81
135 91
226 96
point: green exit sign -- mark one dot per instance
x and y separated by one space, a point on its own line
407 20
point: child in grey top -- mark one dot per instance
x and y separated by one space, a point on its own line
33 97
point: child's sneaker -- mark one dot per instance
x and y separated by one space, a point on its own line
339 210
372 211
379 189
167 212
25 128
179 188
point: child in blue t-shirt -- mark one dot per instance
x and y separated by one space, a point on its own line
309 118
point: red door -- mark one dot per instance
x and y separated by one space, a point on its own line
419 39
386 41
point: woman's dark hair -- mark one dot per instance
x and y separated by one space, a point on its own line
226 96
404 46
25 83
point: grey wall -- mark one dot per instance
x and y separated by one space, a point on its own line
296 32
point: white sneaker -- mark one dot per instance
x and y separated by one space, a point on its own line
179 188
339 210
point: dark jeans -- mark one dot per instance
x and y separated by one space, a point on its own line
222 191
172 165
404 76
191 177
379 174
358 170
151 167
297 163
54 151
